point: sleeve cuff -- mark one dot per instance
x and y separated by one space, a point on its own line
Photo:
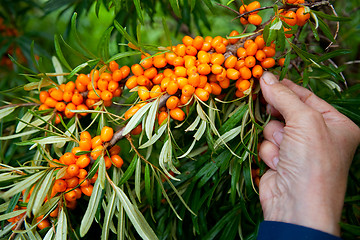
281 231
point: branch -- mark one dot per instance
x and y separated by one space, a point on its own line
19 105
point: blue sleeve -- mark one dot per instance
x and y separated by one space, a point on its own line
270 230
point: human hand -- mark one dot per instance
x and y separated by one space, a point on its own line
309 157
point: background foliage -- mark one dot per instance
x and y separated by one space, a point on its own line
34 27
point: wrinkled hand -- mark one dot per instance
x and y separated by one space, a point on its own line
309 157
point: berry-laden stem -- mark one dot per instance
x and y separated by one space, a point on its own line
119 134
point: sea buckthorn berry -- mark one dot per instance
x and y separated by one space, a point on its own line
180 71
221 77
302 17
177 114
137 130
106 134
203 80
223 84
243 21
233 34
190 50
184 99
67 96
102 84
172 87
117 75
70 196
203 57
60 106
245 72
180 50
96 152
217 58
146 63
281 62
239 94
248 42
60 185
155 91
76 150
252 6
82 172
187 40
43 95
125 70
83 161
164 83
250 61
216 69
77 99
259 40
55 212
188 90
43 224
117 161
241 52
168 72
244 85
90 103
251 49
95 95
206 46
112 86
198 42
62 87
158 78
269 51
290 18
80 87
50 102
137 70
291 1
83 79
131 82
202 94
194 79
68 110
142 80
87 190
268 63
232 74
239 64
43 107
85 135
106 95
68 158
143 93
72 170
150 73
106 76
94 75
77 192
170 57
117 92
230 62
181 81
107 103
255 19
71 205
129 113
162 116
208 88
96 141
216 40
108 162
204 69
215 88
260 55
220 48
113 66
243 9
257 71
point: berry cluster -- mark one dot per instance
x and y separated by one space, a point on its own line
252 17
85 92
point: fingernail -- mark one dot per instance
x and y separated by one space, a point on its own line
275 161
278 137
269 78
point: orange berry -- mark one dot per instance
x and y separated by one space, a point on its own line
85 135
82 172
259 40
96 141
255 19
142 80
67 96
60 106
239 94
117 75
180 71
113 66
68 158
172 87
177 114
131 82
172 102
96 152
73 170
281 62
245 72
94 75
233 34
260 55
60 185
71 204
106 76
43 95
190 50
102 84
206 46
223 84
194 79
146 63
215 88
155 91
162 116
241 52
77 99
247 43
290 18
76 150
83 161
70 196
221 77
204 69
257 71
129 113
187 40
143 93
158 78
202 94
250 61
232 74
95 95
159 62
244 85
302 17
217 58
243 21
125 70
43 224
87 190
203 57
43 107
49 101
117 92
85 144
243 9
55 212
268 63
106 134
69 107
287 34
188 90
150 73
106 95
252 6
112 86
230 62
220 48
80 87
239 64
108 162
198 42
216 69
137 70
117 161
137 130
251 49
269 51
83 79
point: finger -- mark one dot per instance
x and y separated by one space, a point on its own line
274 131
308 97
281 97
269 153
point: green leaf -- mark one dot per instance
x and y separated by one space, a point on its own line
25 119
21 66
129 171
139 11
109 213
6 111
151 117
234 119
104 44
167 32
354 229
91 209
148 189
155 137
125 34
331 17
175 6
285 68
326 30
11 214
138 180
77 38
122 55
61 229
314 30
334 54
136 119
44 189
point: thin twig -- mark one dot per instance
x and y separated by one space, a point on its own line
19 105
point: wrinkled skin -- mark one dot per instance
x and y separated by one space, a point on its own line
309 157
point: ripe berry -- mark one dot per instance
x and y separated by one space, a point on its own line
60 185
117 161
255 19
162 116
202 94
177 114
106 134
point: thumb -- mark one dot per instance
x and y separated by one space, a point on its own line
281 97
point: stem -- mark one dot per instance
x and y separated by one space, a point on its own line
19 105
